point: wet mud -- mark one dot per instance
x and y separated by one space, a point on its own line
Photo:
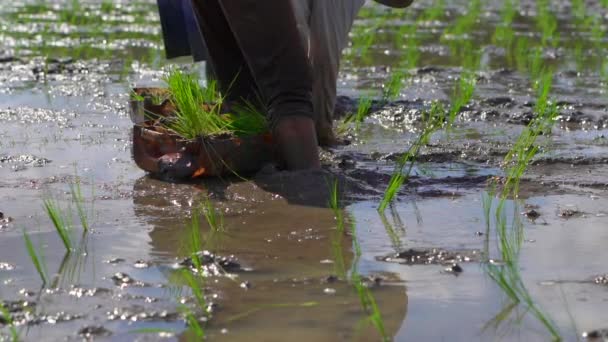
278 272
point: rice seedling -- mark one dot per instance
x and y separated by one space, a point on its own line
463 92
364 37
107 6
546 22
363 110
464 24
198 110
7 319
504 35
433 120
434 12
366 298
73 265
201 303
191 119
392 89
247 119
62 221
78 201
391 232
37 258
506 274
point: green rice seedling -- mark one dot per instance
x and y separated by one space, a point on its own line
507 274
198 110
78 200
546 23
214 219
366 297
334 204
7 319
391 232
463 93
338 236
504 35
194 242
201 303
61 221
392 89
363 109
579 10
432 121
191 119
193 323
434 12
521 52
367 300
464 24
369 305
37 258
247 119
365 36
73 265
107 6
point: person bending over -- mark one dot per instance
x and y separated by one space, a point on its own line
285 52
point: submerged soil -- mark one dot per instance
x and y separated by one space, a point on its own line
273 275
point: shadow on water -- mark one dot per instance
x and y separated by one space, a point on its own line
290 251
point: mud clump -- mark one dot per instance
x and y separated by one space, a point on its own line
212 265
434 256
92 332
569 213
22 162
601 280
531 214
123 280
596 335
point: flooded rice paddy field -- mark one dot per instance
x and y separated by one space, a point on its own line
279 270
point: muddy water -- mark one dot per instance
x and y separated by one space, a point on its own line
64 78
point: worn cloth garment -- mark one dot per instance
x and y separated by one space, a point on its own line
255 50
323 26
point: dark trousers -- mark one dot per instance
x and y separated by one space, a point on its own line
255 50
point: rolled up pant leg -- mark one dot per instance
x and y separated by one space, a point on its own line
258 40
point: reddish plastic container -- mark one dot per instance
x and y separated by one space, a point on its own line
170 156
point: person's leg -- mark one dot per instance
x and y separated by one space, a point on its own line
266 32
226 60
330 23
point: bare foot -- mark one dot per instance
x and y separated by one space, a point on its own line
296 140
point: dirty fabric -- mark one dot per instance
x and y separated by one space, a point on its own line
181 33
255 48
323 26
